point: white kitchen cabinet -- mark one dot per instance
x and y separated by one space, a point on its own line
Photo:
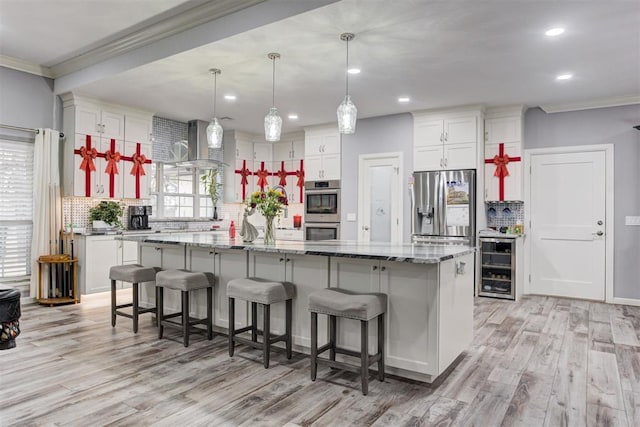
412 289
288 154
262 161
512 183
138 129
302 271
136 184
322 153
229 264
165 256
85 119
503 131
238 153
444 141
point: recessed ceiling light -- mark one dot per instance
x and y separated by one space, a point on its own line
552 32
230 97
293 116
564 76
404 99
353 71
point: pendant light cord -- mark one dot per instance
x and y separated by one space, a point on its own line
215 87
347 73
273 86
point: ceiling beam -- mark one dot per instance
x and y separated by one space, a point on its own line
212 21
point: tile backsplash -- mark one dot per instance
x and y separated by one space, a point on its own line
504 214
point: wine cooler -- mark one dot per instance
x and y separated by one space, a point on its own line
498 268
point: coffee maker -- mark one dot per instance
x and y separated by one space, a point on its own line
139 217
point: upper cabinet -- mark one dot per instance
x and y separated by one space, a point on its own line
288 165
446 140
503 179
107 150
322 153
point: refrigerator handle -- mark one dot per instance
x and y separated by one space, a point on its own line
443 205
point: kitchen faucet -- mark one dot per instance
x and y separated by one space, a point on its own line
284 192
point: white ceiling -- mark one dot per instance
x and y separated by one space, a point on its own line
439 53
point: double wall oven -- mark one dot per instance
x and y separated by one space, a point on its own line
322 210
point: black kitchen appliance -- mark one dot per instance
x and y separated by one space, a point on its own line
139 217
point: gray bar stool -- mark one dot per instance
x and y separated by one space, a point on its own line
134 274
363 307
264 292
184 281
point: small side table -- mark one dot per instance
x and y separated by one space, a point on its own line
63 275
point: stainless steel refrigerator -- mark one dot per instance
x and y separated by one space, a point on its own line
443 208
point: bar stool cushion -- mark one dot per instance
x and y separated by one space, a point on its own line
343 303
184 280
133 273
259 290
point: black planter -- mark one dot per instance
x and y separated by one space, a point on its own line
9 317
215 213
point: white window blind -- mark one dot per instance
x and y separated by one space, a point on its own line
16 208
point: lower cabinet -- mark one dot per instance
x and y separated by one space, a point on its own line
96 255
307 273
427 325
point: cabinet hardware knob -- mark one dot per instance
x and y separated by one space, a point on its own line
383 268
600 222
157 249
281 259
212 253
375 267
598 233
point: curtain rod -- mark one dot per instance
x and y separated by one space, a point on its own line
25 129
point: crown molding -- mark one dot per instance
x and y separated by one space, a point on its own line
191 18
505 111
25 66
614 101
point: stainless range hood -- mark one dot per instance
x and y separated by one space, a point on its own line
198 149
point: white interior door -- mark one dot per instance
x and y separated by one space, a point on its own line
568 205
380 198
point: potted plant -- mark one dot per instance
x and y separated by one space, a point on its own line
212 186
107 212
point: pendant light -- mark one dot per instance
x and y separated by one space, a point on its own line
214 130
272 121
347 111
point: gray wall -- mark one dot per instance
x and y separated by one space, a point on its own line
27 100
385 134
603 126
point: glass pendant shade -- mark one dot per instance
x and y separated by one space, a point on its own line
272 125
347 115
214 130
214 134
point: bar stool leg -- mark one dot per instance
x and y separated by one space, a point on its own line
232 323
289 315
332 337
254 322
160 309
266 334
364 354
185 317
381 334
135 308
314 345
209 313
113 303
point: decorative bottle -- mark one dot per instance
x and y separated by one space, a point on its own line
232 230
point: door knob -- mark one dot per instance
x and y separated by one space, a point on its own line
600 222
365 227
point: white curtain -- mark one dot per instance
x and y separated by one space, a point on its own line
47 202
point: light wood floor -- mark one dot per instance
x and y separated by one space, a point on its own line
542 361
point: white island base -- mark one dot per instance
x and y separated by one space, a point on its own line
430 302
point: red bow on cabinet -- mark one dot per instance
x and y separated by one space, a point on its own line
138 164
112 162
300 175
87 158
244 173
501 161
262 174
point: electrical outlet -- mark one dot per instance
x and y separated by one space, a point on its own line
632 220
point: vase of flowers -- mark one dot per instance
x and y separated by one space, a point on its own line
270 204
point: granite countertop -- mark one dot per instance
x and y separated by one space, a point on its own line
417 254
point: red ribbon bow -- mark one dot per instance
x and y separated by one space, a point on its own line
282 174
501 163
262 178
138 162
113 157
300 175
87 158
244 172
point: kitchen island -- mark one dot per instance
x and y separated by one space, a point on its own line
430 290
